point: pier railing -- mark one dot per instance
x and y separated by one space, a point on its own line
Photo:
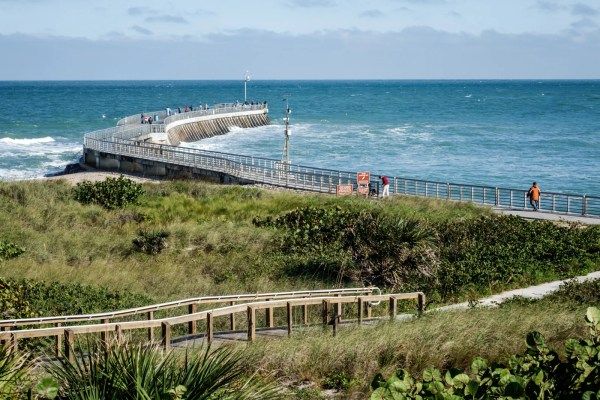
118 141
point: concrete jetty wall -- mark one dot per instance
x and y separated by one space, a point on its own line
206 126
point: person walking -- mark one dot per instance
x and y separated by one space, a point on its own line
534 194
386 186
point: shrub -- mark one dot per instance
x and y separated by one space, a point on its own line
9 250
382 249
14 370
111 193
142 372
152 242
538 373
19 299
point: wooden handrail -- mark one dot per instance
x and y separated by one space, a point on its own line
179 303
166 324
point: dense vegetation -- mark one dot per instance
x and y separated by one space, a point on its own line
27 298
110 193
442 258
538 373
133 372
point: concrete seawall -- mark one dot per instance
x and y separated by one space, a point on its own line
206 126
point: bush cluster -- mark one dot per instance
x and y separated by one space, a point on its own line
19 299
151 242
442 258
9 250
363 246
538 373
111 193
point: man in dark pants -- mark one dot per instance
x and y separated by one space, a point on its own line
534 194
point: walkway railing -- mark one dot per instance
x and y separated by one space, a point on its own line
273 172
331 310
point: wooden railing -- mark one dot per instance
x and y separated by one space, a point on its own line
331 307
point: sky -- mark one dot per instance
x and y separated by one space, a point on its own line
299 39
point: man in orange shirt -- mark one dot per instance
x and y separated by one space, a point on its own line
534 196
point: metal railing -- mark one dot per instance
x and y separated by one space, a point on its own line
216 110
273 172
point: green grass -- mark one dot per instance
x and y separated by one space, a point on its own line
213 247
439 339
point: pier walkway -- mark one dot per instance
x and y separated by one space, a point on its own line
132 147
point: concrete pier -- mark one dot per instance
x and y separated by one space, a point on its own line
206 126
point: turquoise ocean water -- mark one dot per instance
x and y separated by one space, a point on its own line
501 133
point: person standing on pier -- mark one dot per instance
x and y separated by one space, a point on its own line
386 186
534 194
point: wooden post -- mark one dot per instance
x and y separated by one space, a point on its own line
104 334
4 329
13 342
269 316
325 313
420 304
393 308
70 345
58 341
339 308
369 309
290 318
150 317
119 333
192 326
304 314
232 318
335 324
251 324
360 310
166 335
209 327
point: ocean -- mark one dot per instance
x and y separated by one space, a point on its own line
500 133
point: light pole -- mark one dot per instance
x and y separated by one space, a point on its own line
286 146
246 80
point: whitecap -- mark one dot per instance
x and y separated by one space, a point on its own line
26 142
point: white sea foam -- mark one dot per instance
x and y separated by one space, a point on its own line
25 142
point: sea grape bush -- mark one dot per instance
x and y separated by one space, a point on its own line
9 250
538 373
19 299
111 193
151 242
441 258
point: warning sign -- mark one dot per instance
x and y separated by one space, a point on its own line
363 178
344 190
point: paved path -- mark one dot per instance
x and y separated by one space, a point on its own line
532 292
548 216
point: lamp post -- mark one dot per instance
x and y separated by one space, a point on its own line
246 80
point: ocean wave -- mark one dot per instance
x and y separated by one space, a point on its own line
26 142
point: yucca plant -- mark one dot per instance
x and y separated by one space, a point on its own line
139 372
14 371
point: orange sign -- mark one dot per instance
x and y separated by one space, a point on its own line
363 189
363 178
344 190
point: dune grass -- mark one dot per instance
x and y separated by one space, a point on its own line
442 340
213 247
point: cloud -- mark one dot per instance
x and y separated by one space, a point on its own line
140 11
423 1
141 30
311 3
170 19
417 52
371 14
548 6
454 14
583 10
